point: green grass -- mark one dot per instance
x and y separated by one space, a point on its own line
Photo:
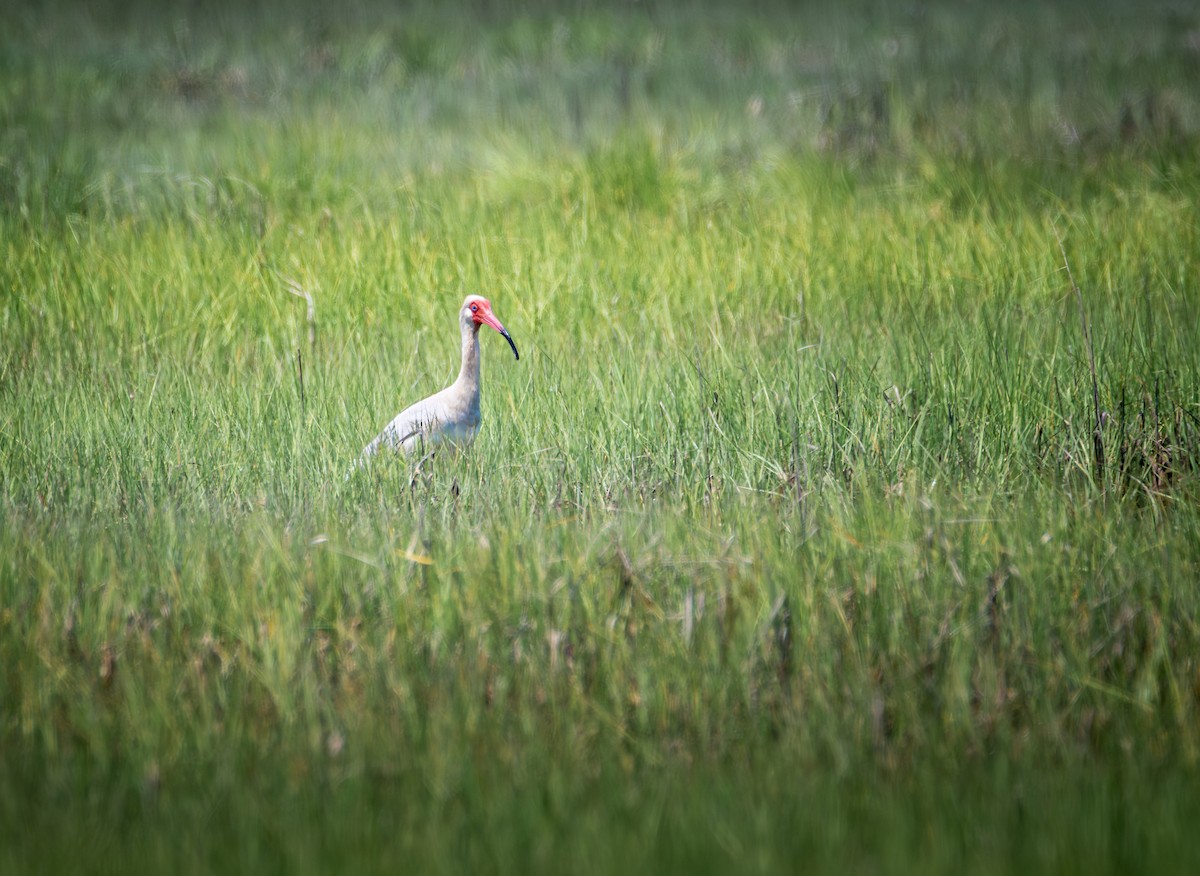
784 547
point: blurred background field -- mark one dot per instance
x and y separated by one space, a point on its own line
839 516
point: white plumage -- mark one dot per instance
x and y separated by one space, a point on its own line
451 415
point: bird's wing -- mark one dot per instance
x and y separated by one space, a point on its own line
407 430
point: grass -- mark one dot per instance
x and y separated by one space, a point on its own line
785 545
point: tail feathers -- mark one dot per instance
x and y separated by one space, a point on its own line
389 439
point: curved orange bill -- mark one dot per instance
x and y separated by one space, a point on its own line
485 315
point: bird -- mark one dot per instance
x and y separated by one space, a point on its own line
452 415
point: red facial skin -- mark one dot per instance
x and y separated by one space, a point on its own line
481 313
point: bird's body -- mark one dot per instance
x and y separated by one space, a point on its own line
451 415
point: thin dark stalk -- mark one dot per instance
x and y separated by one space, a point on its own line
300 369
1097 424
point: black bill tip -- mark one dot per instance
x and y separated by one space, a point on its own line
508 338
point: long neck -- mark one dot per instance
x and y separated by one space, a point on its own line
468 374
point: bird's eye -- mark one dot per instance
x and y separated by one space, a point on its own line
474 307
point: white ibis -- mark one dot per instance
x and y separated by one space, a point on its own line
451 415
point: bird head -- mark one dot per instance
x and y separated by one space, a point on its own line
478 310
